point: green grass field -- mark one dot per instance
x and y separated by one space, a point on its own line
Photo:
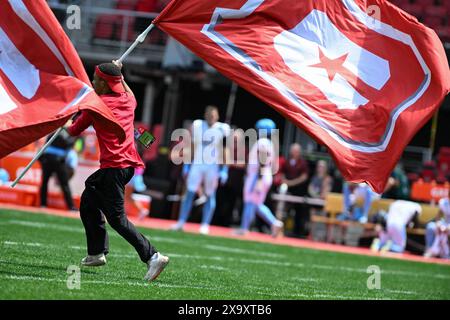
36 250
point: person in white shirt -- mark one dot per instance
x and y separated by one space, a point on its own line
206 169
437 232
401 215
258 181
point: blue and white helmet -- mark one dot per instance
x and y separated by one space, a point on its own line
4 176
265 124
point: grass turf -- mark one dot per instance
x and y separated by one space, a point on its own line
36 250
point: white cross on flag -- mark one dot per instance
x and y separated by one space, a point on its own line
362 85
42 79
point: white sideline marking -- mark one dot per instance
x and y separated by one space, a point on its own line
400 291
166 285
43 225
29 244
152 238
305 279
236 250
213 267
252 261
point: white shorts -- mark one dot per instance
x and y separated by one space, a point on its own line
397 233
256 191
206 173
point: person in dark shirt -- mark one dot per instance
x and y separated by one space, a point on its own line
295 174
53 160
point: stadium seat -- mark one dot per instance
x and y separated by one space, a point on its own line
446 4
428 172
433 22
399 3
437 12
412 177
425 3
441 178
413 9
104 26
444 33
120 24
444 152
126 5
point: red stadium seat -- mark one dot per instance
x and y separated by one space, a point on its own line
425 3
433 22
414 9
436 11
428 172
399 3
441 178
412 177
126 5
104 26
120 24
446 4
444 152
444 33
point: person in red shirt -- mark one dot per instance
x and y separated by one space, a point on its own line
104 192
295 174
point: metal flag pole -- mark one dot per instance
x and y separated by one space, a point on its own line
139 39
231 102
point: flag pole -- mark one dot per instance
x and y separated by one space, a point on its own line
434 125
36 157
139 39
231 102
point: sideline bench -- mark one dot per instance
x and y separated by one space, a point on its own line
323 228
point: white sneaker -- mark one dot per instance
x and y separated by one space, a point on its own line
375 245
277 228
94 261
387 247
177 226
156 265
204 229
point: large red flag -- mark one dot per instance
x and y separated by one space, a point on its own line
360 85
42 80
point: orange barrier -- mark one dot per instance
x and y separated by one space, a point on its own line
20 195
429 191
27 191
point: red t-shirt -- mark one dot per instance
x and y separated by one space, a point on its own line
112 153
293 169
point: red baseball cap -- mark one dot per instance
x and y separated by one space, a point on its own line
114 82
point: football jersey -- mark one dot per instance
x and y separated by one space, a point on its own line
208 141
402 211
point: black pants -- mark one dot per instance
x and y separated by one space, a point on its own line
104 195
54 164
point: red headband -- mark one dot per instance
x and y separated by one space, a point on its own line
114 82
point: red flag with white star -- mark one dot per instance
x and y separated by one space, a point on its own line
361 85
